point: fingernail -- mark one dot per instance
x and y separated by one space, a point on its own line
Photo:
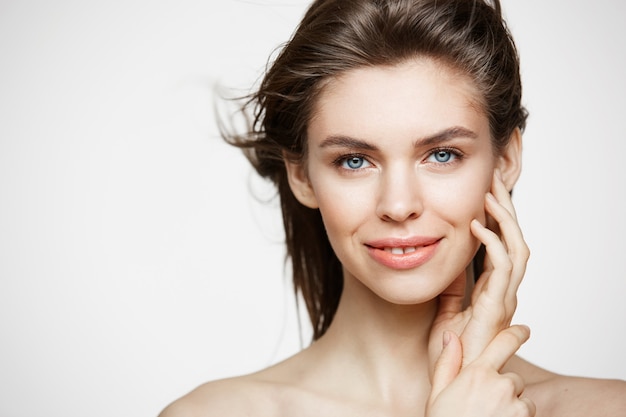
492 197
446 338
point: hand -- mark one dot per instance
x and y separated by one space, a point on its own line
494 298
466 374
479 389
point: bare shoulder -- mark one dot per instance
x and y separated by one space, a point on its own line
275 391
584 397
568 396
232 397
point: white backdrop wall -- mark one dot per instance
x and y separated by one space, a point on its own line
135 263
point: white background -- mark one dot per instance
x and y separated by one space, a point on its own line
134 262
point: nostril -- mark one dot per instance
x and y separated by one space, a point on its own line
399 217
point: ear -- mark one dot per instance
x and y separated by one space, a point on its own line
299 183
510 162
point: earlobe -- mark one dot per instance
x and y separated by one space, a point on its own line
300 184
510 162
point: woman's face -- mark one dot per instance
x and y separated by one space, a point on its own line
399 161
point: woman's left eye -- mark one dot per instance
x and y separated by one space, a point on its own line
443 156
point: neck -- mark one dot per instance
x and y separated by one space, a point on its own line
384 344
370 321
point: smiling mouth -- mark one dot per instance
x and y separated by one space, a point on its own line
403 255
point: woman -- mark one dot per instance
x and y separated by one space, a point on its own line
392 130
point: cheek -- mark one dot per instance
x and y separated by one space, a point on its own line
342 208
461 200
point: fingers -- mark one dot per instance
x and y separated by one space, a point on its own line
504 346
480 388
491 311
507 255
502 194
448 364
499 258
501 209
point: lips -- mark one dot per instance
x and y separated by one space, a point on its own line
403 253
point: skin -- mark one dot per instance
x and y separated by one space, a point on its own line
418 340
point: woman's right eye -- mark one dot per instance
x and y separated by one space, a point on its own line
353 162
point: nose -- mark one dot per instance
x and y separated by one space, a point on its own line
399 196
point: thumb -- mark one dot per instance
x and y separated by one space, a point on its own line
448 364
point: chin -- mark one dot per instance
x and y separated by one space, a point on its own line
410 290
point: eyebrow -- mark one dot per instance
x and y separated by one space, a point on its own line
437 138
446 135
347 142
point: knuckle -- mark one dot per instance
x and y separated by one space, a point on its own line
501 315
505 265
510 307
522 408
498 311
530 406
513 336
507 387
523 253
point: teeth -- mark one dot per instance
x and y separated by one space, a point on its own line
400 251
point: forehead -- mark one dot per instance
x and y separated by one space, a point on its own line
420 95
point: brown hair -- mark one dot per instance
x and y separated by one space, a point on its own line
335 36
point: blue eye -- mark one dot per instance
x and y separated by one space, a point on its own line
354 162
443 156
